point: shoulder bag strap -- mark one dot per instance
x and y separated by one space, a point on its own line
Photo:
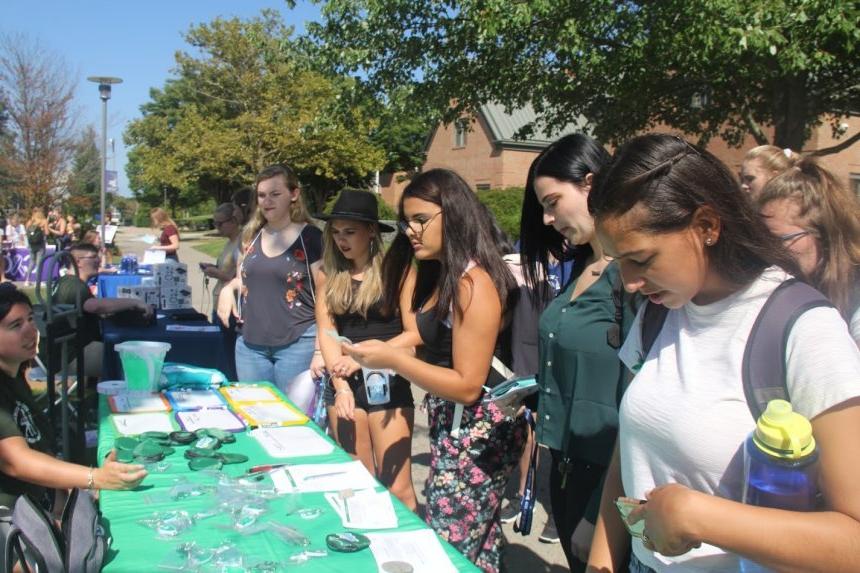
764 363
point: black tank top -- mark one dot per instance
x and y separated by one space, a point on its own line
376 326
439 340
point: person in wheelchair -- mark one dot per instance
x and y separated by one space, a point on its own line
27 464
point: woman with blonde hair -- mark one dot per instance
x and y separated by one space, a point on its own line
275 283
763 163
349 300
169 239
37 234
818 220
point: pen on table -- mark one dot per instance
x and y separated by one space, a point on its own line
314 476
265 468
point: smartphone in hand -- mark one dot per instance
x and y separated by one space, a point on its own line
625 505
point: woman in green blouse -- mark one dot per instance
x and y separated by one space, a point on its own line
581 378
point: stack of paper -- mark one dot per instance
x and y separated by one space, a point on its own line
364 509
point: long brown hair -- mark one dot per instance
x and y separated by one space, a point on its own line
298 211
161 219
832 215
672 179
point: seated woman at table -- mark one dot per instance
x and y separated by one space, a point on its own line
169 239
27 465
92 237
275 281
349 300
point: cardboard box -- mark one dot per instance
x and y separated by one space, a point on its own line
175 297
148 294
170 274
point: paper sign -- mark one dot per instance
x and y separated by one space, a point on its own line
134 424
421 549
153 257
323 477
249 393
364 509
137 403
292 441
194 399
213 418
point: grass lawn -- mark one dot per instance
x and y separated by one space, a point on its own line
212 247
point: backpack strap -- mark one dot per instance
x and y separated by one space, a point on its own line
764 369
652 323
34 535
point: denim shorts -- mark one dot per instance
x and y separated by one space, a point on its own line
399 390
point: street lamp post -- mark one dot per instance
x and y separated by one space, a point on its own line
104 93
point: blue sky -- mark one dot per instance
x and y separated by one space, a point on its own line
132 39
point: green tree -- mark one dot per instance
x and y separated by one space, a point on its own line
244 99
82 184
710 68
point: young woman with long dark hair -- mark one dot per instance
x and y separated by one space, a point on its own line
581 378
461 293
685 236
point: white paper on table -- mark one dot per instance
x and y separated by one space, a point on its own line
368 509
139 402
195 399
221 418
251 394
292 441
421 549
269 413
133 424
323 477
148 239
191 328
153 257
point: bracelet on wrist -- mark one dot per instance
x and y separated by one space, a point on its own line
91 482
342 391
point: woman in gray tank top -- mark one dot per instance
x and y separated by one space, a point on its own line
275 284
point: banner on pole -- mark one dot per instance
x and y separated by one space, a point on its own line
111 185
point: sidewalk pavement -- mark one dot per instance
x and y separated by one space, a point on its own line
522 554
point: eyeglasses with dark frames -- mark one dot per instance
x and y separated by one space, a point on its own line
791 237
404 226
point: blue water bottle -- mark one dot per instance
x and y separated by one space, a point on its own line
780 464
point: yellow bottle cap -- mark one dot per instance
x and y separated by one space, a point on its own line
783 433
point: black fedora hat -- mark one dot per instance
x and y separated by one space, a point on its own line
356 206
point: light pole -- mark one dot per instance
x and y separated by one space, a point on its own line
104 93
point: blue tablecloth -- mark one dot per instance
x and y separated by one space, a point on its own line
109 283
207 349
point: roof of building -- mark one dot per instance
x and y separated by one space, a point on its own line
504 126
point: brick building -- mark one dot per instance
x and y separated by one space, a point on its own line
484 151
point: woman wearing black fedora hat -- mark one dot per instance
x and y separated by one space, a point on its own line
349 300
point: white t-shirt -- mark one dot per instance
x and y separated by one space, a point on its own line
16 234
855 325
684 417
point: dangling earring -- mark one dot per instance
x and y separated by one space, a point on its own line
709 241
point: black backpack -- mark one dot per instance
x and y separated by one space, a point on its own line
79 546
763 369
35 235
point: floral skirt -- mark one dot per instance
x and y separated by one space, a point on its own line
468 475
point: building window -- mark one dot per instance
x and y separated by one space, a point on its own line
483 186
854 178
460 128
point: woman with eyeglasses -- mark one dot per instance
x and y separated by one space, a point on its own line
228 223
818 220
27 464
349 301
683 234
461 298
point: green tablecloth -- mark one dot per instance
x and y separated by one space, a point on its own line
137 548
